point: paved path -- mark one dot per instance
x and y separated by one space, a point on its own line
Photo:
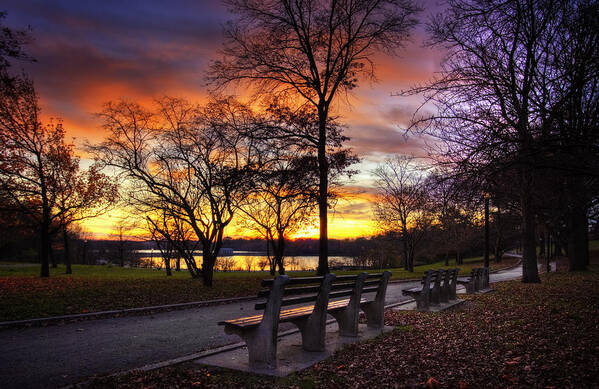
60 355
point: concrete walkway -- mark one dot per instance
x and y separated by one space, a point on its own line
56 356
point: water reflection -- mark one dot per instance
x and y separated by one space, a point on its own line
251 262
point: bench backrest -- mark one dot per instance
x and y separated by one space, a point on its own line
426 281
454 277
307 289
301 290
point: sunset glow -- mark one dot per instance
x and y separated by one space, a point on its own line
90 53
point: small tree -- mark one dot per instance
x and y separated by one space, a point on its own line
280 203
39 172
194 160
402 204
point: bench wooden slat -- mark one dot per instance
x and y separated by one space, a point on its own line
286 315
292 291
317 279
296 281
315 289
289 301
369 290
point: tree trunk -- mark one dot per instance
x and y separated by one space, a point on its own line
530 272
578 243
487 243
167 265
406 258
542 252
208 261
497 254
279 253
67 253
498 239
51 252
43 254
191 265
323 170
557 249
178 263
271 260
446 258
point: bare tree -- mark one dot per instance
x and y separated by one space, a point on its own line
195 160
262 263
249 262
402 204
164 233
491 96
312 50
80 195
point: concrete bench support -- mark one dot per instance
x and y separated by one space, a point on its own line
478 280
435 298
261 340
347 317
313 327
422 296
375 310
445 276
453 283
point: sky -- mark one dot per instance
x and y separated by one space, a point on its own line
90 52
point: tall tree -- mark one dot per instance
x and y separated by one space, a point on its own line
310 51
79 195
402 204
572 122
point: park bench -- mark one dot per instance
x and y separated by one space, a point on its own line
438 286
477 281
422 295
260 331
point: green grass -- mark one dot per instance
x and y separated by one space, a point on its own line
24 295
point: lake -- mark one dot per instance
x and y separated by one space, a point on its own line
248 260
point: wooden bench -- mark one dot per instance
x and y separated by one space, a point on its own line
422 295
478 280
260 331
438 286
347 311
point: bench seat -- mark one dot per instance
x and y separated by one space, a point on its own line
286 315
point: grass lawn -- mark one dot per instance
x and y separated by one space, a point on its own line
24 295
520 336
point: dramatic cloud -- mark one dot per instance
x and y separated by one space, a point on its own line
88 53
